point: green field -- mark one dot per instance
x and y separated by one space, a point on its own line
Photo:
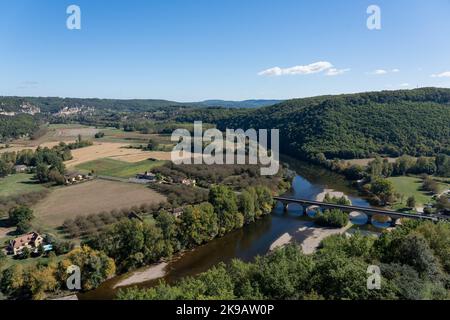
18 184
411 186
119 169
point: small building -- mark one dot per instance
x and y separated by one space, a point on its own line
20 168
146 176
74 177
31 241
189 182
177 212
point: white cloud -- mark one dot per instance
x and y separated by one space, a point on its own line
445 74
379 72
336 72
404 85
307 69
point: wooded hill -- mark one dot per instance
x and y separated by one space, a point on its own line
415 122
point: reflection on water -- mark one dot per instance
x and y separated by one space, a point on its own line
254 239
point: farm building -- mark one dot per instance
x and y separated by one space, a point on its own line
74 177
20 168
189 182
31 241
146 176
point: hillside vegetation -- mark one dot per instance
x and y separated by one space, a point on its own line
415 122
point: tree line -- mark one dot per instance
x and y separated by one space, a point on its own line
413 259
134 243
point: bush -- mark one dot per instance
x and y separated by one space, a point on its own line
332 218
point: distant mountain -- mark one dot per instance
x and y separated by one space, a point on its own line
239 104
11 105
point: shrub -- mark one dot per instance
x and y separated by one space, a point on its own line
332 218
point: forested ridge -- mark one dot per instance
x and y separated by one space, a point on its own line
414 122
17 126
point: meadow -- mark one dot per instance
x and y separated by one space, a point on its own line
90 198
412 186
117 168
17 184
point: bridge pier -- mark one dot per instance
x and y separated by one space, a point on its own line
369 218
285 207
394 221
305 210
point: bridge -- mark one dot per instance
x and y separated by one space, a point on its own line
370 212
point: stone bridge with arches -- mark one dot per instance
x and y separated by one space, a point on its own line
369 212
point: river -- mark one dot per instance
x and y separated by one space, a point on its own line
252 240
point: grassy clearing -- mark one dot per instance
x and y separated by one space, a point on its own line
119 169
412 186
18 184
91 198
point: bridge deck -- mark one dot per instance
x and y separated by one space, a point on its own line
368 210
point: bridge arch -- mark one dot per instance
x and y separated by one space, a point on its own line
294 208
312 211
381 221
358 218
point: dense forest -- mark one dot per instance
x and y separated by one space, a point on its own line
414 122
17 126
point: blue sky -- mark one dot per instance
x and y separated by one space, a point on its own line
189 50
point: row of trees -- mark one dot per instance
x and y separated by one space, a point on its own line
133 243
439 165
414 262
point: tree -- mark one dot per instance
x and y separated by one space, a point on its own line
12 280
443 203
383 189
443 165
23 227
168 225
333 218
56 177
26 253
411 202
42 172
20 214
152 145
5 168
95 266
247 205
199 224
224 201
2 259
404 164
429 184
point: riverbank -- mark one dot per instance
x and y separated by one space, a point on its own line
309 235
151 273
253 239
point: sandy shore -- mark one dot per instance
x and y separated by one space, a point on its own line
316 235
309 236
281 241
332 193
151 273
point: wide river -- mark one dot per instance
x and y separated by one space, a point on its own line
252 240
